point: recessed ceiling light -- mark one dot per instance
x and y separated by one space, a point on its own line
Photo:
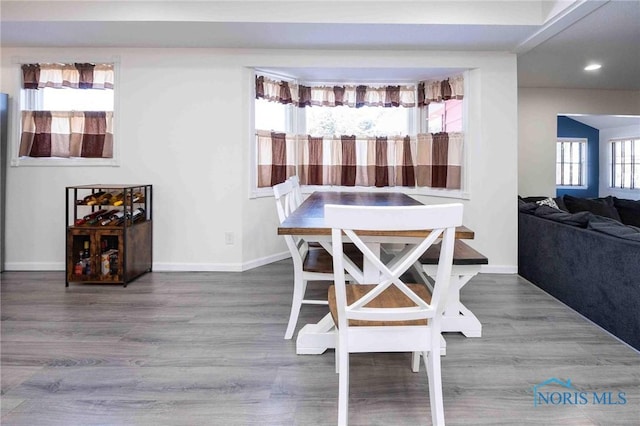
592 67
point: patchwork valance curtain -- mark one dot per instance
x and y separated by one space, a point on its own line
67 134
76 75
427 160
440 90
329 96
424 160
86 134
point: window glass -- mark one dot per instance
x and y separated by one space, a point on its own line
271 115
571 166
625 163
445 116
364 121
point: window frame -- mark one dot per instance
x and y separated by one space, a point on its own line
583 163
419 125
635 155
15 124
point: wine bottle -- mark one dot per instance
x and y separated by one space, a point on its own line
113 219
93 198
120 220
138 215
88 217
138 197
101 216
118 199
105 199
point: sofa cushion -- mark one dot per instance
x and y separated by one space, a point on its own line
580 219
560 203
614 228
548 202
600 206
532 199
629 211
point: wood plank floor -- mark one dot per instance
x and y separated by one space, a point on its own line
207 349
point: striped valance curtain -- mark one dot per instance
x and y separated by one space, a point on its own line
440 90
67 134
331 96
76 75
426 160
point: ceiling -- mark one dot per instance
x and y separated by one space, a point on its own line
554 40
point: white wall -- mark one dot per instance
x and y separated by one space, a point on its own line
538 109
184 127
605 161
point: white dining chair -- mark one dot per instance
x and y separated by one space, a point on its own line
297 190
309 263
389 315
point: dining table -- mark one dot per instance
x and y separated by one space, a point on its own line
307 222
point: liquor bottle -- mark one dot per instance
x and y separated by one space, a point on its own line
85 252
93 198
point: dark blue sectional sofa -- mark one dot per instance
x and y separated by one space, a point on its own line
590 262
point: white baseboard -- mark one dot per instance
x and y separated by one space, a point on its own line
34 266
218 267
215 267
161 266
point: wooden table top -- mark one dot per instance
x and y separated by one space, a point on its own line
308 219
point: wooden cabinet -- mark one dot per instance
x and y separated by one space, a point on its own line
108 243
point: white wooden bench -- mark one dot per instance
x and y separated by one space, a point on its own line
466 264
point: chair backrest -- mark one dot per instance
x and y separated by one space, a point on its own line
285 204
297 190
345 221
285 199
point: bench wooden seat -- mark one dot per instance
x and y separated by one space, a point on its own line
320 260
467 262
463 254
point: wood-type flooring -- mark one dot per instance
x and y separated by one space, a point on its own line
207 348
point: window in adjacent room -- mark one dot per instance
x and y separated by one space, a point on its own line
625 163
571 162
66 114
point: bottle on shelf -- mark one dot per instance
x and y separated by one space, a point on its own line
138 215
102 216
105 199
112 219
117 199
137 197
89 217
93 199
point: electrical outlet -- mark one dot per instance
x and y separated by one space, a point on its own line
228 238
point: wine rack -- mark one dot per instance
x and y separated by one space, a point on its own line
109 233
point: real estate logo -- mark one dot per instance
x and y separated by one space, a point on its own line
547 393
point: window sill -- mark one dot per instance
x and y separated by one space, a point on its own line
572 187
58 161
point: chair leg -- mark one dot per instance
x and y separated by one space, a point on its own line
415 362
432 363
343 380
298 294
